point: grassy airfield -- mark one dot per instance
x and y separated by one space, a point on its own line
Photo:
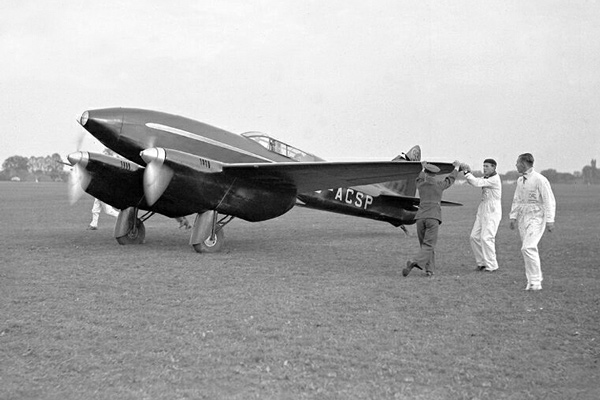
310 305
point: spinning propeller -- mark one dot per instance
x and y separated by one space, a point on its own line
157 176
79 178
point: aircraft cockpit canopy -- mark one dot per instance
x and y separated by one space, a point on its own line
277 146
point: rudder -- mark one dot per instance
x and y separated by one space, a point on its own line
405 187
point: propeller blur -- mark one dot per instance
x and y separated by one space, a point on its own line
79 178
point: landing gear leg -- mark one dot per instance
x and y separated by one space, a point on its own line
207 234
129 229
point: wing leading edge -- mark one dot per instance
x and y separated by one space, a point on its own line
313 176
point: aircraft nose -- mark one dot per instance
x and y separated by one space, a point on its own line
104 124
84 118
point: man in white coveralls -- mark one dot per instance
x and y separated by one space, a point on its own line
96 209
533 209
489 214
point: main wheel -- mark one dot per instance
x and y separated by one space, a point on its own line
211 246
136 234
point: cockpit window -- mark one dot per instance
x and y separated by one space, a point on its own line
281 148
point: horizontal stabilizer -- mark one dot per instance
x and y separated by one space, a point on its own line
416 201
450 203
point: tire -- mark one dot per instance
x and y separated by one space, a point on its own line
208 246
135 235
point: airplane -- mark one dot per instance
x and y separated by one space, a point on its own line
176 166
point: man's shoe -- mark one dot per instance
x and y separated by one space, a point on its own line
429 274
409 266
480 268
533 286
92 228
184 224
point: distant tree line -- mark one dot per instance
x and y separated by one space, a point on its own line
51 168
48 168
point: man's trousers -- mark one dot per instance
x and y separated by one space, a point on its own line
483 240
97 208
427 231
531 229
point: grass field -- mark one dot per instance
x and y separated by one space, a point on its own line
310 305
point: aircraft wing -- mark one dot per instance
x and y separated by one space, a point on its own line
312 176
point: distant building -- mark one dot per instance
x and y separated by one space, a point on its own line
590 174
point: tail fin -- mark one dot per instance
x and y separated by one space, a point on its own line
405 187
414 154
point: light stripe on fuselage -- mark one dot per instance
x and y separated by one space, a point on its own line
206 140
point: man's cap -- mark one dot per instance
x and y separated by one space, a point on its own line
431 168
490 161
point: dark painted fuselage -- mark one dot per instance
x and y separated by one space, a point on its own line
129 131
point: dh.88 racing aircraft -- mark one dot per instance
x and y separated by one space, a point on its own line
177 166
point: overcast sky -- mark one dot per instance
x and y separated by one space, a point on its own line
342 79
